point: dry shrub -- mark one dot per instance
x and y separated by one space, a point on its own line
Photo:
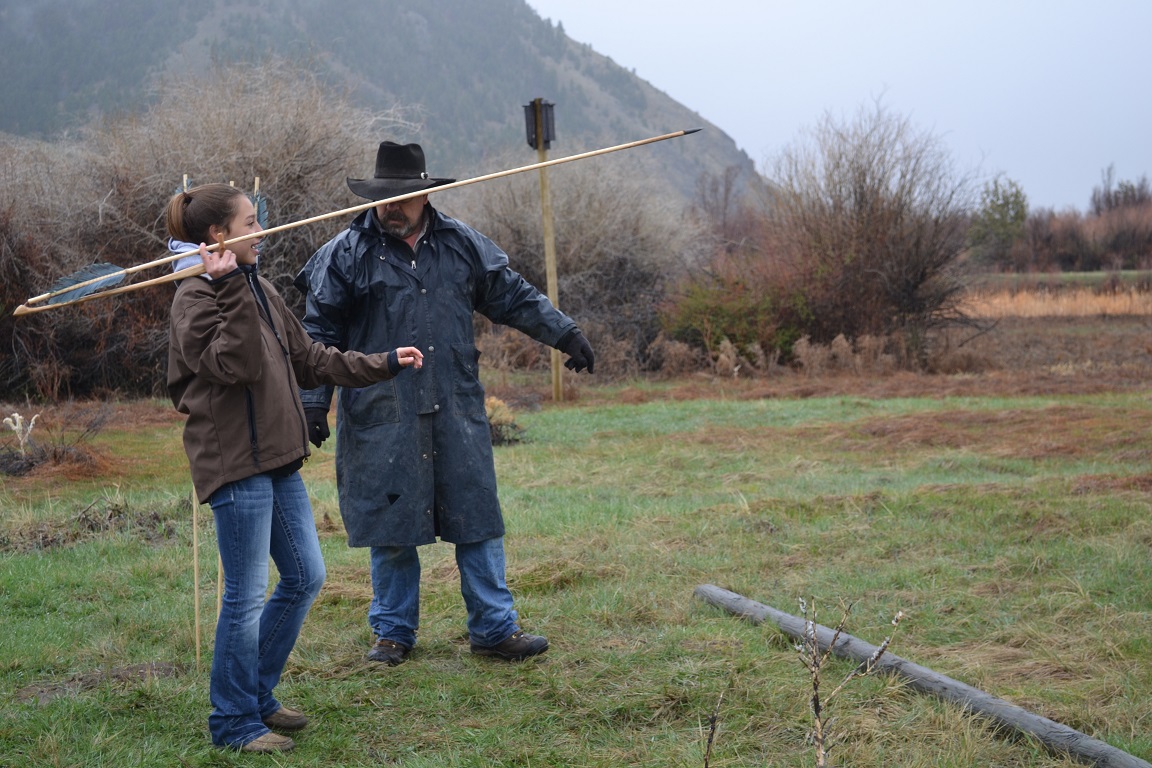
866 355
841 356
761 362
861 234
616 359
871 354
502 422
100 198
1056 242
671 358
812 358
727 362
506 350
1122 238
1116 239
870 213
279 122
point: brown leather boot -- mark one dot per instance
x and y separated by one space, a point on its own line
519 645
388 652
269 742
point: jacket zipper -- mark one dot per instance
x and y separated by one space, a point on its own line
253 441
266 315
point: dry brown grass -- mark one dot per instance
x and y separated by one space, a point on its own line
1078 302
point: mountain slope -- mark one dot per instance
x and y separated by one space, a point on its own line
464 67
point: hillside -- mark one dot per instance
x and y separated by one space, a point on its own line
462 69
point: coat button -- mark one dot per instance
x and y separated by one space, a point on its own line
436 407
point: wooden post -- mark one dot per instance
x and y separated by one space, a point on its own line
196 571
1059 738
549 243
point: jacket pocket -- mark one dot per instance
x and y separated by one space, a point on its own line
370 406
469 392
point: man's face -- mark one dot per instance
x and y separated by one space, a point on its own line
402 219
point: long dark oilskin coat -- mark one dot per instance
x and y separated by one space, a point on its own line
414 455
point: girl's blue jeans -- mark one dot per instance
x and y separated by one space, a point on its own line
258 517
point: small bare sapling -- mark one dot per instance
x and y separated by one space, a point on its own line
814 659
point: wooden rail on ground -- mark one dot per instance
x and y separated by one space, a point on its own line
1059 738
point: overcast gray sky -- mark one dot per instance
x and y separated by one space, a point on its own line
1048 93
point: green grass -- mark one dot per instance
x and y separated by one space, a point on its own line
1014 533
1135 278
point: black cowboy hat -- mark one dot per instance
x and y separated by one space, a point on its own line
399 170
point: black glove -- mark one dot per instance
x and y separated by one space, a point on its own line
578 351
317 420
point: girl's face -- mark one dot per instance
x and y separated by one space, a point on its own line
243 222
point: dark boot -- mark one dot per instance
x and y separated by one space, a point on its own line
388 652
518 646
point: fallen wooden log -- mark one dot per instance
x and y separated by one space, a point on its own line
1059 738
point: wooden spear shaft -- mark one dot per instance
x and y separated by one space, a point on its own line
1059 738
28 307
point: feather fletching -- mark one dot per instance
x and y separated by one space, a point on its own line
104 275
261 204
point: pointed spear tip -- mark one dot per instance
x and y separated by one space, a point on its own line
692 130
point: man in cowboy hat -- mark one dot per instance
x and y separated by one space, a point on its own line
414 454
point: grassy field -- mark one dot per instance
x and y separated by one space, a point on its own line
1006 515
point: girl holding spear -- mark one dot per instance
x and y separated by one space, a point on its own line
237 358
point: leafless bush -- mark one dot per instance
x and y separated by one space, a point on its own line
504 350
842 356
812 358
870 351
859 232
867 354
278 122
1121 237
1056 242
101 197
1112 196
871 217
1115 237
727 361
672 358
616 356
761 363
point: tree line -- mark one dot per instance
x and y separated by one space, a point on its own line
1114 234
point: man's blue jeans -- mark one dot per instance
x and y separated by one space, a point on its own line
257 517
395 610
